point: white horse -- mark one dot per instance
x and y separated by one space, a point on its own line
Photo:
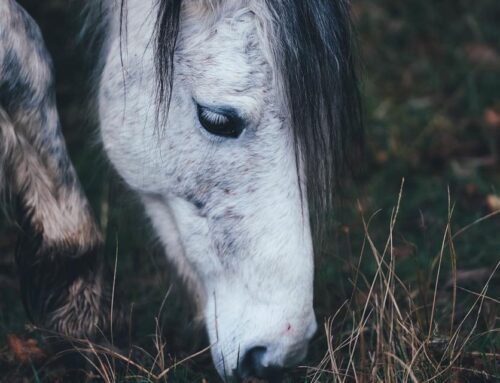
232 119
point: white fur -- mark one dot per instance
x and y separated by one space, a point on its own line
247 249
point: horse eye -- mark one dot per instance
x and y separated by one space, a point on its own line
223 123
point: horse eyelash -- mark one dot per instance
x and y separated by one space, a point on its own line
213 117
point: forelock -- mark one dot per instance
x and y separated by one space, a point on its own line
310 45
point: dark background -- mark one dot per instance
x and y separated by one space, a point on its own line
431 85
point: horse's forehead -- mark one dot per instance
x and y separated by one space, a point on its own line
222 51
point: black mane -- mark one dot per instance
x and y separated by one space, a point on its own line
316 58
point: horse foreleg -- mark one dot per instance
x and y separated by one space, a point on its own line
58 258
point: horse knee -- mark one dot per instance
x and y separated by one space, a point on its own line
62 274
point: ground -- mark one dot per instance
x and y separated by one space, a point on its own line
414 295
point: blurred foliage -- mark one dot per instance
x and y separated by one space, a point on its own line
431 80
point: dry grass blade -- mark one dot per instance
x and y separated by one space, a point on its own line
385 341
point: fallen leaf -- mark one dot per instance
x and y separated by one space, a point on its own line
482 54
465 277
470 189
345 229
491 117
493 202
402 251
381 157
25 350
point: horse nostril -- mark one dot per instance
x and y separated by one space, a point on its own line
251 366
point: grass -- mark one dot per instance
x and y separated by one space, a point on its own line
386 330
387 336
406 282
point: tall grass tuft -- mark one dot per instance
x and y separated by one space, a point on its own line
385 334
